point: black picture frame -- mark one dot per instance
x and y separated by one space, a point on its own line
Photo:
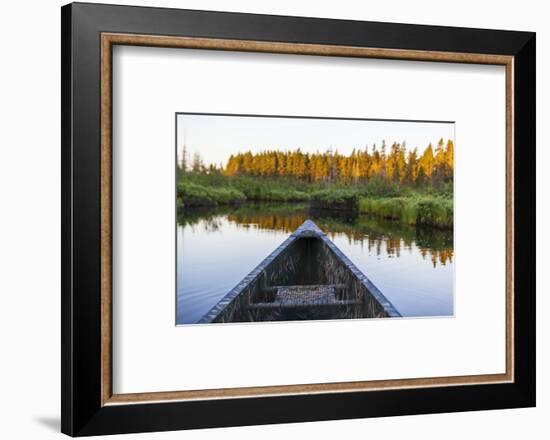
82 410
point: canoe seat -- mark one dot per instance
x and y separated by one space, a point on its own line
304 296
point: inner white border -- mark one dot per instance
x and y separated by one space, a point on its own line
151 354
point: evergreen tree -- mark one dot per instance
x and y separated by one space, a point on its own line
412 167
427 161
197 165
397 165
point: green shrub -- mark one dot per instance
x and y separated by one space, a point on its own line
420 210
435 212
378 187
192 194
264 193
335 198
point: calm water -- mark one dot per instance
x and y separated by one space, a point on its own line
216 248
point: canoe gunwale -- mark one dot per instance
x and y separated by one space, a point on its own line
307 229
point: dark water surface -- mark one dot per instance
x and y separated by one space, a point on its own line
216 248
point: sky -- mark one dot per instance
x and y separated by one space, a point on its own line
216 137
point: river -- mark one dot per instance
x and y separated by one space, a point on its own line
216 248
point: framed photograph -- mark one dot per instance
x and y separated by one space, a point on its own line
272 219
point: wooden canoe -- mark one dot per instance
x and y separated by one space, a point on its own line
307 277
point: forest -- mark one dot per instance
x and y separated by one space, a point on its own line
394 183
398 165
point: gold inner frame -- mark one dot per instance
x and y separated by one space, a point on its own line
110 39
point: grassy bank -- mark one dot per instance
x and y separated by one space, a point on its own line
335 198
202 189
383 199
201 192
199 189
413 210
191 194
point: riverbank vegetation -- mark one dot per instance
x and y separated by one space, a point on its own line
398 185
413 210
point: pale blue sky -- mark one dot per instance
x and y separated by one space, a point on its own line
215 137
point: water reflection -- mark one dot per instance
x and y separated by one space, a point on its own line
217 247
433 243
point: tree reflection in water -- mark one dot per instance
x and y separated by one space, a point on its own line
433 243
